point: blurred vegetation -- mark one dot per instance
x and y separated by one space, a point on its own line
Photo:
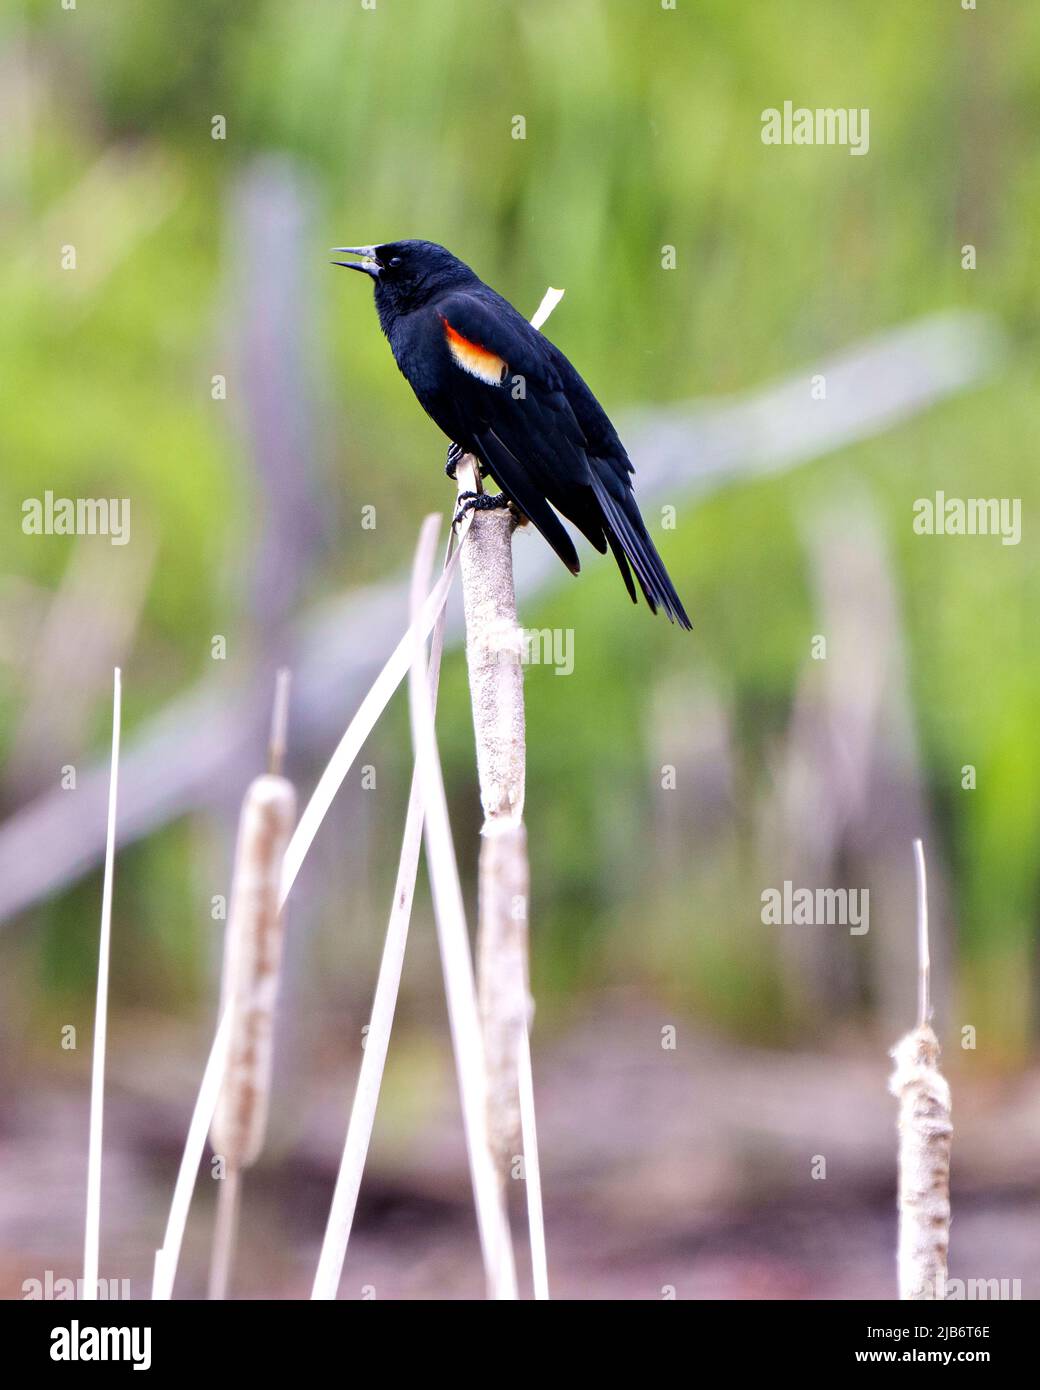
642 129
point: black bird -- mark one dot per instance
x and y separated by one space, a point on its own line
503 392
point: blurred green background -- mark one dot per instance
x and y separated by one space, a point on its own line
348 125
643 129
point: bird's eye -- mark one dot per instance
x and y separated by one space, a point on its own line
394 260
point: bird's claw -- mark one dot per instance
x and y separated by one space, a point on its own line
455 452
479 502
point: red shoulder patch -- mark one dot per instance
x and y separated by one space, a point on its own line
474 358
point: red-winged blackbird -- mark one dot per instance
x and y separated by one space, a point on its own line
503 392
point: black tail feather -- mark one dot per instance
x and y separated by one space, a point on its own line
513 479
617 550
624 523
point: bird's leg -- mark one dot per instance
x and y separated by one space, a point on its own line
479 502
455 452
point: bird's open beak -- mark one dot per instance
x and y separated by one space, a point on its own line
369 262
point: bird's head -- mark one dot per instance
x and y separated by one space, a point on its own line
407 274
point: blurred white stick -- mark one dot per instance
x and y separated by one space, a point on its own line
92 1236
377 1041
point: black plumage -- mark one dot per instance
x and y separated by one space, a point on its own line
500 390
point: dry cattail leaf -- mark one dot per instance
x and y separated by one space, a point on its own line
97 1084
252 957
370 1077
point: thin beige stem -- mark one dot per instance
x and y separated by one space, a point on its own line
279 722
924 963
225 1233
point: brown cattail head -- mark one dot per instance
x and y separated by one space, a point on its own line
503 993
252 958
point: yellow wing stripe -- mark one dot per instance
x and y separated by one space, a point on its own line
479 361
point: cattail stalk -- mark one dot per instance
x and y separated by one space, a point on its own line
225 1233
925 1133
252 963
494 657
460 991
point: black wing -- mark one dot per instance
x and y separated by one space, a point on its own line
519 420
545 439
